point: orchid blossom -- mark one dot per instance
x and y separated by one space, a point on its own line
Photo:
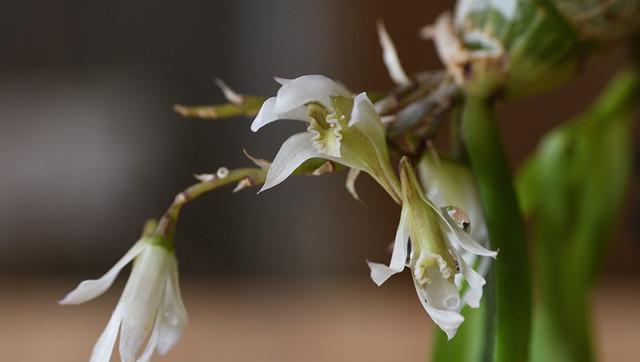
150 309
342 128
431 244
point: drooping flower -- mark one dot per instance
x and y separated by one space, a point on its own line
342 128
150 309
431 244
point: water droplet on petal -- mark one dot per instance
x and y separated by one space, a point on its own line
171 318
459 218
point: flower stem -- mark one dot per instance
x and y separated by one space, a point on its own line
250 176
509 308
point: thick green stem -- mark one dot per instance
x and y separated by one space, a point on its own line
509 309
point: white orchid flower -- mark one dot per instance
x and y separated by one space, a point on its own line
431 244
150 309
342 128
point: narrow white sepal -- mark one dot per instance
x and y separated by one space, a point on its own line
141 299
390 57
90 289
473 295
401 242
293 152
466 242
380 272
104 346
350 184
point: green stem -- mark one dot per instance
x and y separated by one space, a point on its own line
250 176
509 309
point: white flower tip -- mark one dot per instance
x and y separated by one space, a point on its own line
265 115
281 81
450 333
390 57
475 304
362 110
82 293
379 272
427 32
229 93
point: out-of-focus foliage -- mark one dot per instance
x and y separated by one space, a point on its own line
600 20
573 188
519 47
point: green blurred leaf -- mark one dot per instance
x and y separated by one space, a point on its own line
573 187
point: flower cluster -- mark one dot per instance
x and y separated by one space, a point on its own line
348 130
435 237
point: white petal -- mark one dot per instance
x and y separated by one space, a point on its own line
466 242
448 320
380 272
367 120
152 343
104 347
266 115
473 295
90 289
401 242
141 299
282 81
294 151
390 57
173 315
307 88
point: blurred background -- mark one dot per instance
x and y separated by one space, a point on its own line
90 148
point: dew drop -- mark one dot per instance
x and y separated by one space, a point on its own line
222 172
